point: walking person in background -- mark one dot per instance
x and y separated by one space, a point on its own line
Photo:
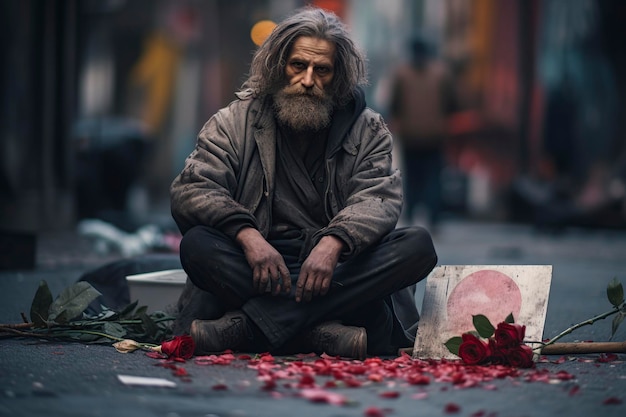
288 207
422 99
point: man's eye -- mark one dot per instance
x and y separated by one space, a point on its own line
298 66
322 70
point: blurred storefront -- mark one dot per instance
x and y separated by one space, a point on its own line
78 75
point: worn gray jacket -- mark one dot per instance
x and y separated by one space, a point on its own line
228 180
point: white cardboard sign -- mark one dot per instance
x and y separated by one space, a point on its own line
454 293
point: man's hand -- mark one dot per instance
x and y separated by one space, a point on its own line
317 270
266 262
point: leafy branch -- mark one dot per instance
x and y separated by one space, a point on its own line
66 318
615 294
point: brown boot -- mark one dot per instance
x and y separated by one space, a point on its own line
232 331
335 339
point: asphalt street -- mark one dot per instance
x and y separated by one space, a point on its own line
42 378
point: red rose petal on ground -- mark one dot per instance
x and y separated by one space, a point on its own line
612 401
564 376
357 369
180 372
418 379
269 385
322 396
375 377
451 408
307 381
155 355
608 357
575 390
389 394
373 412
166 365
220 387
352 383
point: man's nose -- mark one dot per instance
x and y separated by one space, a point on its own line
307 79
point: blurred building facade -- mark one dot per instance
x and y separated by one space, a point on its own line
168 65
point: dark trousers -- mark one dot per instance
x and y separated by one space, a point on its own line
359 294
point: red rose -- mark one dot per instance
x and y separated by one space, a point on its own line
498 355
473 350
509 334
520 356
179 347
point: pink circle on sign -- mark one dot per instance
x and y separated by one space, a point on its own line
486 292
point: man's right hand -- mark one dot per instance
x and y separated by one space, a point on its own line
266 262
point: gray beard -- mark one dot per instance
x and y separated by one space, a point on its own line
302 112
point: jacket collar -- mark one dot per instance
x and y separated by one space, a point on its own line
343 119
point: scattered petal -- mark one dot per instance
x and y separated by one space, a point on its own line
352 382
605 358
375 377
418 379
156 355
564 376
389 394
612 401
451 408
373 412
322 396
180 372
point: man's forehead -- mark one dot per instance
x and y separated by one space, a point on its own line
310 46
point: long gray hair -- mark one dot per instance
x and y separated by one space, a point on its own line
267 70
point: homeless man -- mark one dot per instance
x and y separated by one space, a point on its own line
288 206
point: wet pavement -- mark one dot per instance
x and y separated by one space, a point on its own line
40 378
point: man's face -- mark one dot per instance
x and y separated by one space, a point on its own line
311 63
304 102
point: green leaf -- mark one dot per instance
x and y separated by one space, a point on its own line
453 344
509 319
40 305
114 329
617 320
61 318
149 325
72 302
141 311
127 312
483 325
615 292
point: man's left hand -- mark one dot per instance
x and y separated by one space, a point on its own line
317 270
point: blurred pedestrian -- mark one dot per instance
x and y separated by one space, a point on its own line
422 99
288 207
